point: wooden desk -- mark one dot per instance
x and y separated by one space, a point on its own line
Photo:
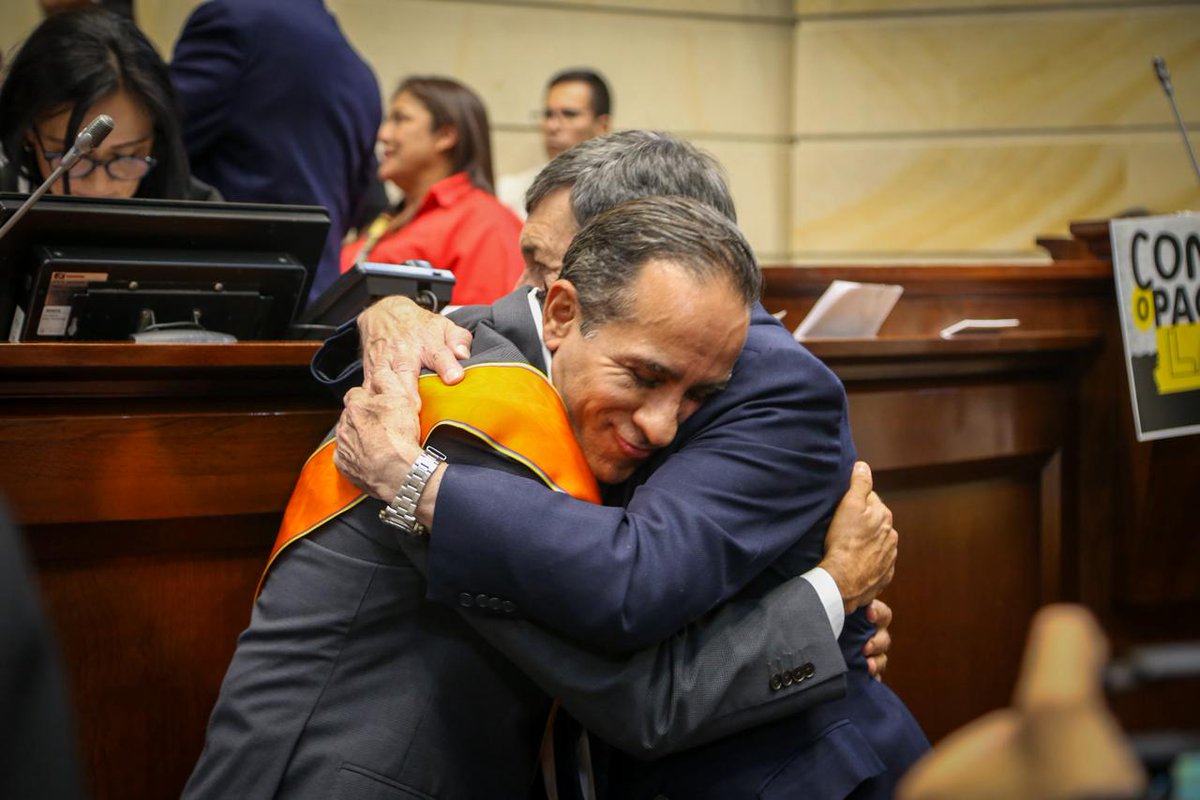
149 481
970 444
1016 485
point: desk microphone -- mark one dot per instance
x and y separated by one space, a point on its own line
1164 77
85 142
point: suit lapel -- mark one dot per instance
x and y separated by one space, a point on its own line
512 319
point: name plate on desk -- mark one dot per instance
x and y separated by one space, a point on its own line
849 309
1156 264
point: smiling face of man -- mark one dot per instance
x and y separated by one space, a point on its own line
629 383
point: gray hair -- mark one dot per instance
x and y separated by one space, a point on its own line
606 257
608 170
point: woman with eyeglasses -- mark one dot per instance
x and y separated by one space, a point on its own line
73 67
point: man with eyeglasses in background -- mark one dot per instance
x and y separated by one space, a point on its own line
578 107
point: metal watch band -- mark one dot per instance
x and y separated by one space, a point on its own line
402 512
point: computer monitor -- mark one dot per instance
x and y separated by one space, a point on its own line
93 269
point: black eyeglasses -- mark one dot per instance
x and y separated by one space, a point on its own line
119 168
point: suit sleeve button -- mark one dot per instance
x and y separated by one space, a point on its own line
465 601
788 680
481 600
776 682
809 670
508 606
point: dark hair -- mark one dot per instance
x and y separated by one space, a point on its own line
74 60
606 257
601 96
608 170
451 103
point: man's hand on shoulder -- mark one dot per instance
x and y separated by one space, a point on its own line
861 546
399 338
378 438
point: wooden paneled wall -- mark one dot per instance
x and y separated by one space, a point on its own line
970 445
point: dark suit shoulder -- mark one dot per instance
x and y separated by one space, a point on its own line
772 355
503 331
776 381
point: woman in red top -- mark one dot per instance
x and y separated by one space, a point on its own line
437 149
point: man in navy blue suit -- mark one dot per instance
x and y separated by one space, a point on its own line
727 505
279 108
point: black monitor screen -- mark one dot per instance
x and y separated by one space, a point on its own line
88 269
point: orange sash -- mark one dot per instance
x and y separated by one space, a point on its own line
509 407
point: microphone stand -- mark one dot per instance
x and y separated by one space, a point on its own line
33 198
1164 77
85 142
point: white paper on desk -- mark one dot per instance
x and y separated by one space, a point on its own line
848 308
978 326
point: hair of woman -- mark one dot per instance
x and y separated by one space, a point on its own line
72 61
451 103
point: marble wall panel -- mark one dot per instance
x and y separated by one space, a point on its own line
914 128
722 66
766 10
16 21
516 150
721 83
758 174
956 129
975 198
677 72
995 71
805 8
162 20
759 177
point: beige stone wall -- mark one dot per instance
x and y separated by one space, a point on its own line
851 129
963 128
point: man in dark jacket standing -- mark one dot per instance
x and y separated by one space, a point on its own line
278 108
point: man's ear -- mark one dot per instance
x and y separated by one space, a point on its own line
603 124
560 313
445 138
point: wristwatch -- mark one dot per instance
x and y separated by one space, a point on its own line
402 512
